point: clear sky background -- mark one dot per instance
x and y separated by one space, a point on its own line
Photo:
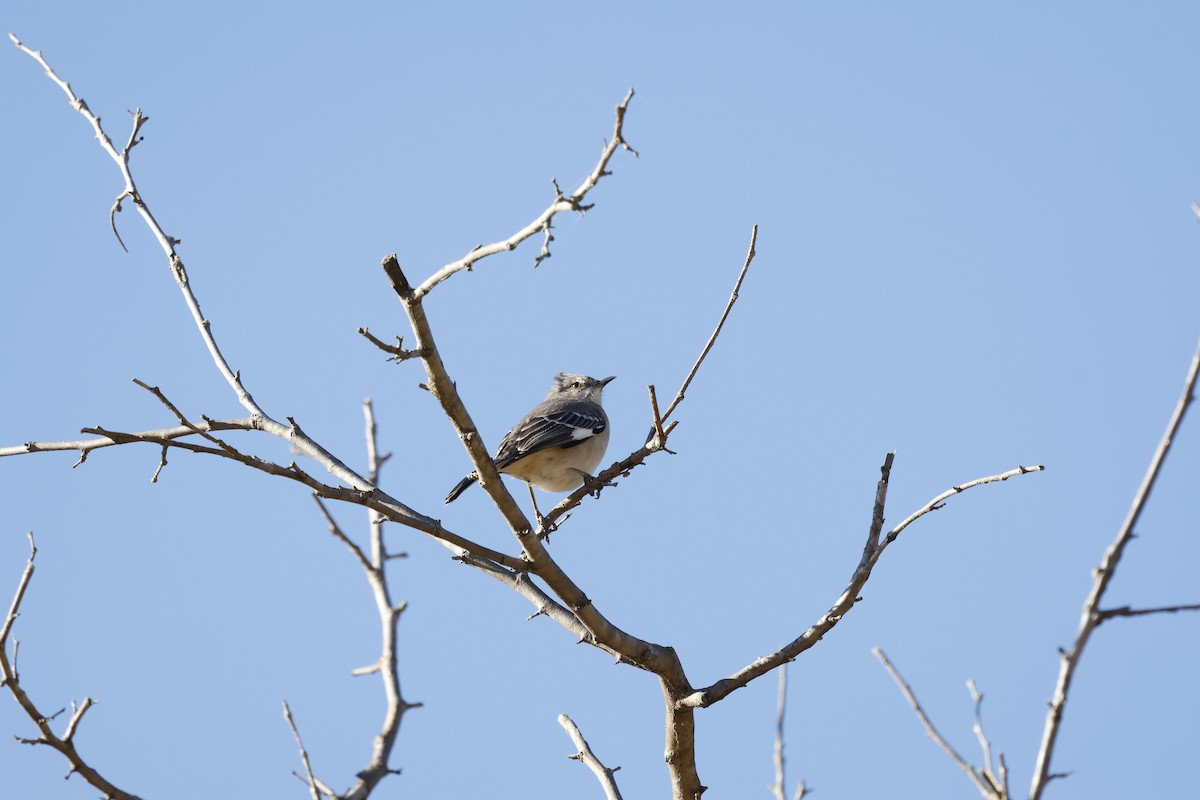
975 248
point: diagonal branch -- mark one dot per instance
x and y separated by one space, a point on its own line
167 243
984 788
657 440
1092 616
541 223
309 779
720 324
290 433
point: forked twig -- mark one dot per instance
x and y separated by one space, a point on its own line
981 784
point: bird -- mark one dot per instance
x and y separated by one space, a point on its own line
558 444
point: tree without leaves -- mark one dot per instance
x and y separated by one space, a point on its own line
532 571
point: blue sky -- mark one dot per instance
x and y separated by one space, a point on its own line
975 248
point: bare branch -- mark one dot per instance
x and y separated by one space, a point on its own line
311 782
291 434
937 503
1126 611
12 681
167 243
389 617
872 551
984 787
337 531
589 760
1092 616
541 224
372 498
720 324
658 438
997 781
778 787
85 446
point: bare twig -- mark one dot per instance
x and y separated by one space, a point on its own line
981 784
541 224
1092 615
341 536
1126 611
10 679
291 434
872 551
311 781
717 331
588 759
389 616
778 787
997 779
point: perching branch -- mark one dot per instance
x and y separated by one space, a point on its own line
1092 614
661 430
597 629
9 678
663 661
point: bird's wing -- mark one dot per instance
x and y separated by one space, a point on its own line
565 426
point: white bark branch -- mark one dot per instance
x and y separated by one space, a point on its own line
1092 615
985 788
586 757
872 551
542 222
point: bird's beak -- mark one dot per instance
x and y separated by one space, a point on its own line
607 380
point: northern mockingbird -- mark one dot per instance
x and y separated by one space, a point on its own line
559 443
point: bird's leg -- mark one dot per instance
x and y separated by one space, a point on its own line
541 521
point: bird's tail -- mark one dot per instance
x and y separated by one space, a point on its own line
461 487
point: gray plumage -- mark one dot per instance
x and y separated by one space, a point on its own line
562 439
